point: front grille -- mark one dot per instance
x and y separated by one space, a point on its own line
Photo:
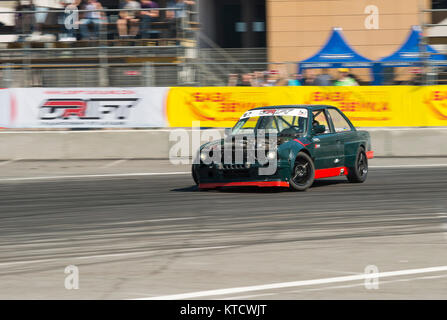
247 155
236 173
233 166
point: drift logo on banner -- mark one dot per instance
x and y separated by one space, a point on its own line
92 109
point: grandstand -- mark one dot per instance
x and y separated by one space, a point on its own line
43 55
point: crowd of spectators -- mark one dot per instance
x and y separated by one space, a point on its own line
274 78
132 22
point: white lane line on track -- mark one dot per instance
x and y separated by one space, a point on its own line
111 175
6 162
434 165
332 287
362 284
114 163
113 255
280 285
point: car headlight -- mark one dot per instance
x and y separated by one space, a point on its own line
203 156
271 155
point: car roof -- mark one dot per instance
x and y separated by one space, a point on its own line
310 107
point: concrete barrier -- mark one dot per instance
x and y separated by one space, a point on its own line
155 144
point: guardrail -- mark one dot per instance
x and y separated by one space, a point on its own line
155 144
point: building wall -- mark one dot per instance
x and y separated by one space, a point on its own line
296 29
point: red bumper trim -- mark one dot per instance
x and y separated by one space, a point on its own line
244 184
331 172
370 154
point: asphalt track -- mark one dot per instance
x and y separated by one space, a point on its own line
156 236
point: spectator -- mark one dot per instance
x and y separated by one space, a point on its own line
416 80
258 80
323 79
233 79
294 80
67 22
310 79
128 22
272 78
25 22
148 16
356 79
92 17
344 79
246 80
174 17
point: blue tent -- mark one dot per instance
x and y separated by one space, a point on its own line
409 54
336 53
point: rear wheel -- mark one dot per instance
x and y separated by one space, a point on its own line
359 172
303 172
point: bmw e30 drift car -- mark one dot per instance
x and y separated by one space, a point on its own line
310 142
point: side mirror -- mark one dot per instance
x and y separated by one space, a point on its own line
321 128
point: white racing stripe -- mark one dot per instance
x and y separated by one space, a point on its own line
111 175
219 292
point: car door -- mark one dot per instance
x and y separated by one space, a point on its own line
346 135
327 145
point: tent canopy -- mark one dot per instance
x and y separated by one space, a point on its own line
409 54
336 53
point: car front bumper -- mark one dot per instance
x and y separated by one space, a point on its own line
214 175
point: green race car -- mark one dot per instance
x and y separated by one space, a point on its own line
285 146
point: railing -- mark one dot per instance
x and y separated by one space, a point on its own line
53 59
154 74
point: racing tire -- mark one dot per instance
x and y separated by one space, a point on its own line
194 175
303 173
359 172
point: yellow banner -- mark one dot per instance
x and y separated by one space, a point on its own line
374 106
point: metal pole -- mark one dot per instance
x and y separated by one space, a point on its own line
423 45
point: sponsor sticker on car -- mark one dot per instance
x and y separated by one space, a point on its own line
276 112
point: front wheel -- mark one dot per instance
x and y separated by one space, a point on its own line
303 173
194 175
359 172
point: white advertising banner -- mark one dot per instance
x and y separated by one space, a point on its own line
4 108
83 107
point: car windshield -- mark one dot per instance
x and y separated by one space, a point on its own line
285 122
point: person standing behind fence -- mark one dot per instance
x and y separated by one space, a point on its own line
258 79
344 78
147 17
68 23
92 17
175 17
323 79
233 79
247 80
24 22
128 22
294 80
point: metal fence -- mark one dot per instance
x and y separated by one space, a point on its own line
195 74
151 60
